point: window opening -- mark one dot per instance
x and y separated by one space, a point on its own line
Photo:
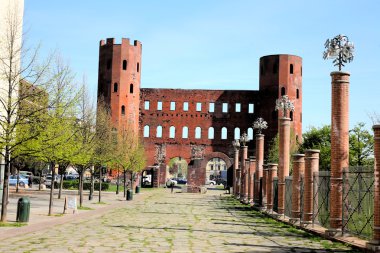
172 132
146 131
159 132
159 106
291 68
125 65
198 133
131 88
211 107
185 132
225 107
146 105
199 107
224 133
115 87
237 107
211 133
172 106
122 110
185 106
237 133
251 108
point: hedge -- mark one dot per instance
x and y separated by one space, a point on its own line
74 184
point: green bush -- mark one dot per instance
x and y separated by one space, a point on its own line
74 184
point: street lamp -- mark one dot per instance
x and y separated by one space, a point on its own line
284 104
340 49
244 139
260 124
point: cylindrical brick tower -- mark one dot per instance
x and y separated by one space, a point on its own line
339 144
119 81
280 75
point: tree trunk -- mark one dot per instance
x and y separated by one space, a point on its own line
52 164
61 172
40 182
125 182
81 187
4 204
92 185
100 184
117 182
18 179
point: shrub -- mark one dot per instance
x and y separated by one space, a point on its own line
74 184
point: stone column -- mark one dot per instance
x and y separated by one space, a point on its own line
374 244
244 155
246 181
235 169
339 145
259 167
252 170
271 173
298 170
311 166
284 152
264 185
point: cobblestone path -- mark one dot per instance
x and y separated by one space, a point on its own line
179 222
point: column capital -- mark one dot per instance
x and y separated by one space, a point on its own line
376 127
340 73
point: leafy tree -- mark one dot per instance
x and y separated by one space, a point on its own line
318 138
361 146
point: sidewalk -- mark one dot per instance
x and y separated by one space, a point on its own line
39 207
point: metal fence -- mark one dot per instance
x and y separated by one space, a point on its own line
321 198
358 201
288 196
275 194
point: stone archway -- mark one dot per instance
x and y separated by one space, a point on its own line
220 155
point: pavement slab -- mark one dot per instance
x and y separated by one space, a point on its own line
158 221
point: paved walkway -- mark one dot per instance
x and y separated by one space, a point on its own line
157 221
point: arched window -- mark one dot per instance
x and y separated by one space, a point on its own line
159 132
291 115
146 131
138 67
224 133
291 68
211 133
298 93
237 133
185 132
122 110
198 133
125 65
131 88
172 132
283 92
115 87
250 133
275 68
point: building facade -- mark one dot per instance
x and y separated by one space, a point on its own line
188 123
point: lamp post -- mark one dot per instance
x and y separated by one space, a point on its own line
236 145
243 170
259 125
341 50
283 104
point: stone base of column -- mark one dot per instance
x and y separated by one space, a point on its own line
373 245
295 220
333 232
245 200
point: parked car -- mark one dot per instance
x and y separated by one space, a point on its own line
48 180
22 180
181 180
170 181
71 176
210 182
26 174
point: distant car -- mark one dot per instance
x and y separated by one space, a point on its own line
71 176
26 174
22 180
170 181
210 182
181 180
220 181
48 180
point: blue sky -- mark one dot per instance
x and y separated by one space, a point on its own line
216 44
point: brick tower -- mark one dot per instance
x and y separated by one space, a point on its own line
280 75
119 81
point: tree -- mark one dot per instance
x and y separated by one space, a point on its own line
361 146
318 138
12 72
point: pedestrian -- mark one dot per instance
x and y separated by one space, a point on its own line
30 182
172 186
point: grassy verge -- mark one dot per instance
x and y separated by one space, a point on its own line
85 208
13 224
